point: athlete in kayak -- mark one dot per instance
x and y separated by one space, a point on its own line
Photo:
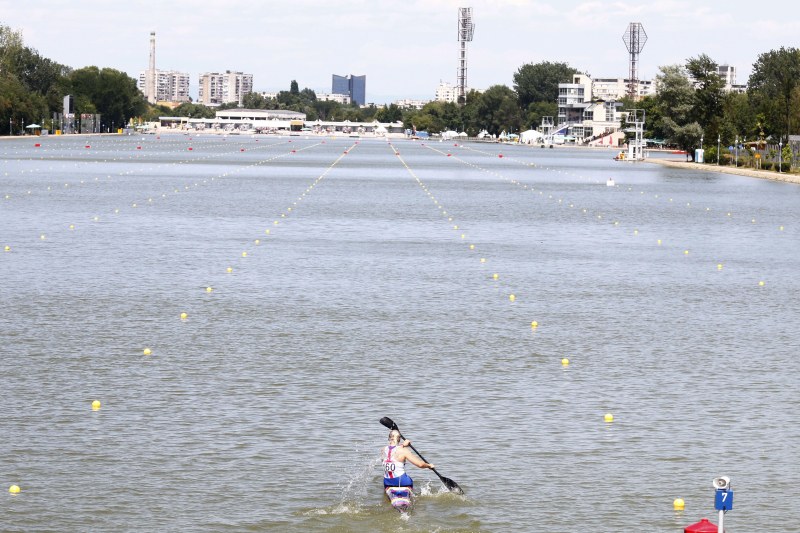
396 483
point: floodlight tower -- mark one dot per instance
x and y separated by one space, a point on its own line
465 30
634 39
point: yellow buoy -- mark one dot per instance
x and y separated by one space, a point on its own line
463 236
609 417
72 226
96 405
534 324
266 231
471 246
483 259
686 252
760 283
7 248
42 236
147 351
495 276
659 242
184 316
14 489
780 228
209 289
512 297
229 270
719 266
678 504
636 232
565 362
257 242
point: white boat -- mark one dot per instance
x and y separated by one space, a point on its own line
610 182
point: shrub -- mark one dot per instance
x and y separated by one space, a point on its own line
766 165
726 159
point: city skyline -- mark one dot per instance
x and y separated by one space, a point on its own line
404 50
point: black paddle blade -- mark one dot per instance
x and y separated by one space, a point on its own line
386 421
452 486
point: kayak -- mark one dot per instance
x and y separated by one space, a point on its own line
400 498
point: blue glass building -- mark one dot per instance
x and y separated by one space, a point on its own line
354 86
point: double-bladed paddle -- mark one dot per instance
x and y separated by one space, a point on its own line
451 485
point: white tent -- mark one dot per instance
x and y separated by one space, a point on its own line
483 134
449 134
463 134
531 136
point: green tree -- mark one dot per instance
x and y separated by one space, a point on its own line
775 77
107 91
253 101
325 108
390 113
537 110
738 118
498 110
190 109
539 82
675 104
708 94
294 88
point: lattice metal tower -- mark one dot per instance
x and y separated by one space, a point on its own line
465 30
634 39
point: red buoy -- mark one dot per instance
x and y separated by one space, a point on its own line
190 148
138 147
241 149
703 526
37 145
87 146
448 155
499 155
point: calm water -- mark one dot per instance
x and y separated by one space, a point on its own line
259 411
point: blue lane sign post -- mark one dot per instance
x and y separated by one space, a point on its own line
723 499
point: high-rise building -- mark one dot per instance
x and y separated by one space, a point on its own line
354 86
223 88
446 92
171 86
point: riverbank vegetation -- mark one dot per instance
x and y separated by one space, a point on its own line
691 105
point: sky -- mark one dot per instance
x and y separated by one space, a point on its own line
404 47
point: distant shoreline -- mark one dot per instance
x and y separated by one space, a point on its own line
725 169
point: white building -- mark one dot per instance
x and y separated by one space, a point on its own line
616 88
728 75
585 115
334 97
446 92
408 103
171 86
223 88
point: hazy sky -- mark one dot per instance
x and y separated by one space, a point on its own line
404 47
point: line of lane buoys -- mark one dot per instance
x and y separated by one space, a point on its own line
150 200
516 182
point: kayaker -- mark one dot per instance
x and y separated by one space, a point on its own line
395 456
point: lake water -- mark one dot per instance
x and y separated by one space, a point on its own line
371 293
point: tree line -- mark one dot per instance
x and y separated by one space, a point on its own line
690 102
